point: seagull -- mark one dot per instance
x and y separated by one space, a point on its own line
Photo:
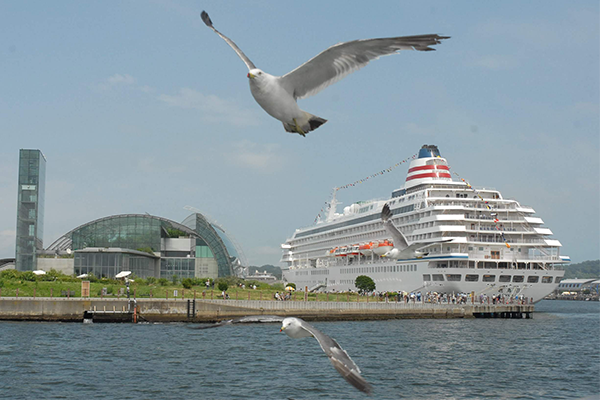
402 250
297 328
277 95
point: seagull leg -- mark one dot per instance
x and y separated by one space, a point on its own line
298 129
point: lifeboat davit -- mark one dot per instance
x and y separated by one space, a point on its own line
341 251
382 247
353 250
366 249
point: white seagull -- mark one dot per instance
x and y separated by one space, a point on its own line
297 328
402 250
277 95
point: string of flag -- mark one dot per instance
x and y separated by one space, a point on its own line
487 205
363 180
383 171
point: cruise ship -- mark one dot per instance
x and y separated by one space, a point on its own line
474 241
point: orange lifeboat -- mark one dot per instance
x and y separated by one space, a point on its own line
366 249
353 250
343 251
331 252
383 247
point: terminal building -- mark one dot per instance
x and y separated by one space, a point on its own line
146 245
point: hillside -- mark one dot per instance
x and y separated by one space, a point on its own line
584 270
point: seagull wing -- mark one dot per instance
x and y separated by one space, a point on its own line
398 238
342 59
230 42
243 320
339 358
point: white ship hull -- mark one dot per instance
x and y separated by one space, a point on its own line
475 241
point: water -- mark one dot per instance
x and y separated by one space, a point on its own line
556 355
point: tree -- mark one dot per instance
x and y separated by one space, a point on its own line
187 283
223 286
364 284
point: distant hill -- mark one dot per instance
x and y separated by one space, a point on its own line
271 269
583 270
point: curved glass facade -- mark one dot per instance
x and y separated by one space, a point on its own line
125 231
205 230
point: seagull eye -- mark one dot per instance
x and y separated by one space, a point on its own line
260 73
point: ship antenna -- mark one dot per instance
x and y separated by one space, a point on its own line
332 206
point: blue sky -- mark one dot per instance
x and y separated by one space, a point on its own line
139 108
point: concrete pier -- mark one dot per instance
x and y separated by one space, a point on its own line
173 310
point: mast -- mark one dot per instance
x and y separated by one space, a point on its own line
332 206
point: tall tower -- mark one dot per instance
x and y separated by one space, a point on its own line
30 208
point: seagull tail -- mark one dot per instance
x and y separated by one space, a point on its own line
305 124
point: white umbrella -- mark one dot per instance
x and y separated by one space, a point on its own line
82 276
39 272
123 274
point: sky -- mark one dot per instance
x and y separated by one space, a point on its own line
140 108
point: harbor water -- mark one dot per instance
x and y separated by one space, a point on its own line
555 355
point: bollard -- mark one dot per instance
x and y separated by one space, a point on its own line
194 294
167 294
367 297
211 294
34 293
17 293
150 293
357 297
182 293
134 293
260 295
248 295
236 294
327 297
347 297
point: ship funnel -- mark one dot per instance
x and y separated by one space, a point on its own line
428 167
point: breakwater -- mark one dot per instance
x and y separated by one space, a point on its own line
161 310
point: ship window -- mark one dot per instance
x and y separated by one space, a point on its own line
437 277
453 277
504 278
426 277
518 278
489 278
533 279
471 278
546 279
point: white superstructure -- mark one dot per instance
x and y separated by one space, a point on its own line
498 246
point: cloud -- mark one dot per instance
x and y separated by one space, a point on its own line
118 79
497 62
252 155
213 108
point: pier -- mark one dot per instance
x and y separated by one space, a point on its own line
200 310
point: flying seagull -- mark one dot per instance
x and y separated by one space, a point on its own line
402 250
298 328
277 95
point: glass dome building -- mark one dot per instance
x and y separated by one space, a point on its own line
148 246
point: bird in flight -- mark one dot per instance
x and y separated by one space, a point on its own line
277 95
402 250
298 328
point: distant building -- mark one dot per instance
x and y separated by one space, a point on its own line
147 245
574 286
30 209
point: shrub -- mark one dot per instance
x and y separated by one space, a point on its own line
163 282
174 279
223 286
150 280
187 283
9 274
28 276
291 284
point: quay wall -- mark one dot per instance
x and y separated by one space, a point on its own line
154 310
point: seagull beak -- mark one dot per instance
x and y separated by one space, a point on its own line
281 330
251 76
